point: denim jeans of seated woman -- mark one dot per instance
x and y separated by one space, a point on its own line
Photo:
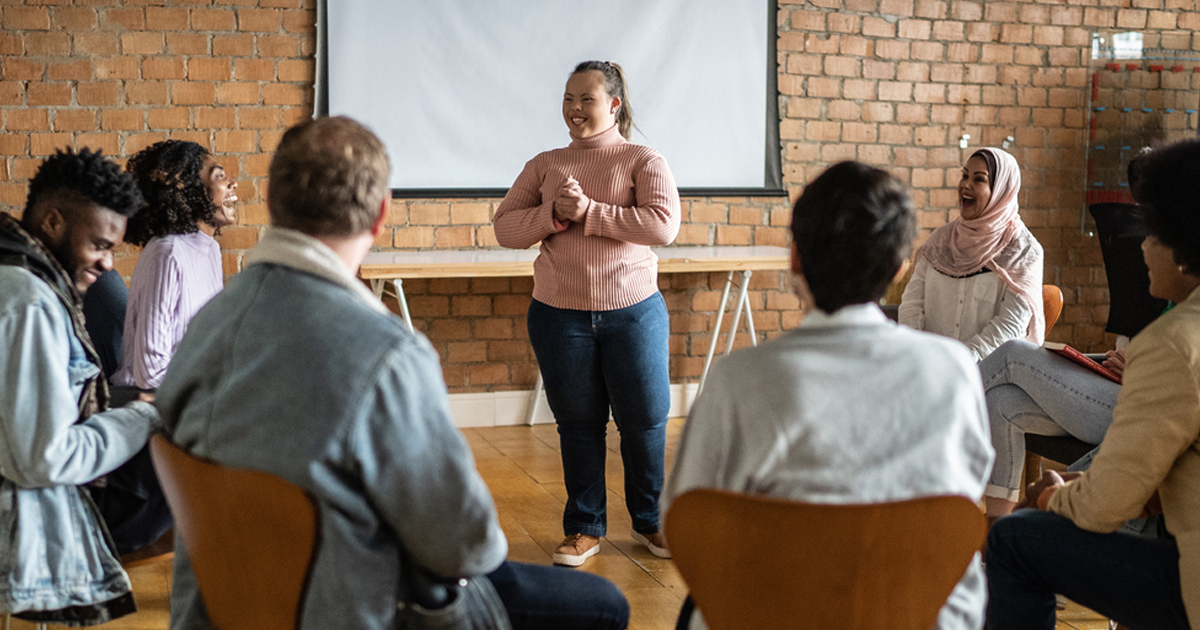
594 362
1032 554
1032 390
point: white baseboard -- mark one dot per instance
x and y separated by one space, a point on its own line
498 409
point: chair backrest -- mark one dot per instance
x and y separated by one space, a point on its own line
1120 231
1052 302
250 537
761 562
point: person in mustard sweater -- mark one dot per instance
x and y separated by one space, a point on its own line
597 322
1149 461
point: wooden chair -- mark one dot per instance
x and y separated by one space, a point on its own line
249 535
761 562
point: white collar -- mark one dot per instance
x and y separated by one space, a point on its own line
853 315
295 249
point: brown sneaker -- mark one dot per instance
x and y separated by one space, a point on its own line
576 548
656 543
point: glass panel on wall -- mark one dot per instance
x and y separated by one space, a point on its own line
1145 91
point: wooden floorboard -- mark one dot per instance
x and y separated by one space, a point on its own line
521 466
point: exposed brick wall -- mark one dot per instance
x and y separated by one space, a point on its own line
889 82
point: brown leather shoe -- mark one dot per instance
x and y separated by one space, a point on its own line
576 548
656 543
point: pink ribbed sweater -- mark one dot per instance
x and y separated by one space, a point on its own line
604 262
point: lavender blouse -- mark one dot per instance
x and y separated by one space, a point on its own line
175 276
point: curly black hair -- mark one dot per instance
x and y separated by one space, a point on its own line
169 174
852 228
1164 192
85 174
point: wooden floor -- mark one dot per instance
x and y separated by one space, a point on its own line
521 466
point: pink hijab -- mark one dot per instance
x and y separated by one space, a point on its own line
997 240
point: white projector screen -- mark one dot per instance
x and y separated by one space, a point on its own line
464 92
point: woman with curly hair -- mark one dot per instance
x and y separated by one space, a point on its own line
189 199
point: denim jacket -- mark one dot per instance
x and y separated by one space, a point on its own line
296 369
55 554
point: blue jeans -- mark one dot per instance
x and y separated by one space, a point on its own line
1032 390
1032 554
553 598
593 362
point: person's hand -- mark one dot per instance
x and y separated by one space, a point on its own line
146 397
1050 479
570 204
1115 360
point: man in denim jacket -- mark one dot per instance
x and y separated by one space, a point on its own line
296 369
57 561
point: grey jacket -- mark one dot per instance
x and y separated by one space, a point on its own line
294 370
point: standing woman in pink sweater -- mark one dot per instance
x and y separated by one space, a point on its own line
597 322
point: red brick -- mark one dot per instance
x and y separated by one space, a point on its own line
928 51
21 70
48 143
13 144
70 70
915 29
233 142
254 70
142 43
26 18
915 72
1131 18
138 141
842 23
1016 33
259 118
834 66
948 31
899 8
116 68
1099 17
193 93
300 21
208 69
74 120
95 43
233 45
895 91
163 68
108 142
1162 20
187 44
1066 16
929 93
146 93
260 20
49 93
297 70
238 93
98 93
27 120
213 19
122 120
169 118
46 44
893 49
73 18
283 94
859 89
163 19
982 32
127 19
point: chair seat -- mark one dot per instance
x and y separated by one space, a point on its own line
1063 449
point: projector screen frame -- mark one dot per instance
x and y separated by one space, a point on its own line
772 158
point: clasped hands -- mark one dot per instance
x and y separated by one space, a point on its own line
570 204
1052 479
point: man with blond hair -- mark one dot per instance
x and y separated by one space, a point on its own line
297 370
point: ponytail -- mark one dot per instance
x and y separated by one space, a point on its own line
614 83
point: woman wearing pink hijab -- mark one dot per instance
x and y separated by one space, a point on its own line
978 278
